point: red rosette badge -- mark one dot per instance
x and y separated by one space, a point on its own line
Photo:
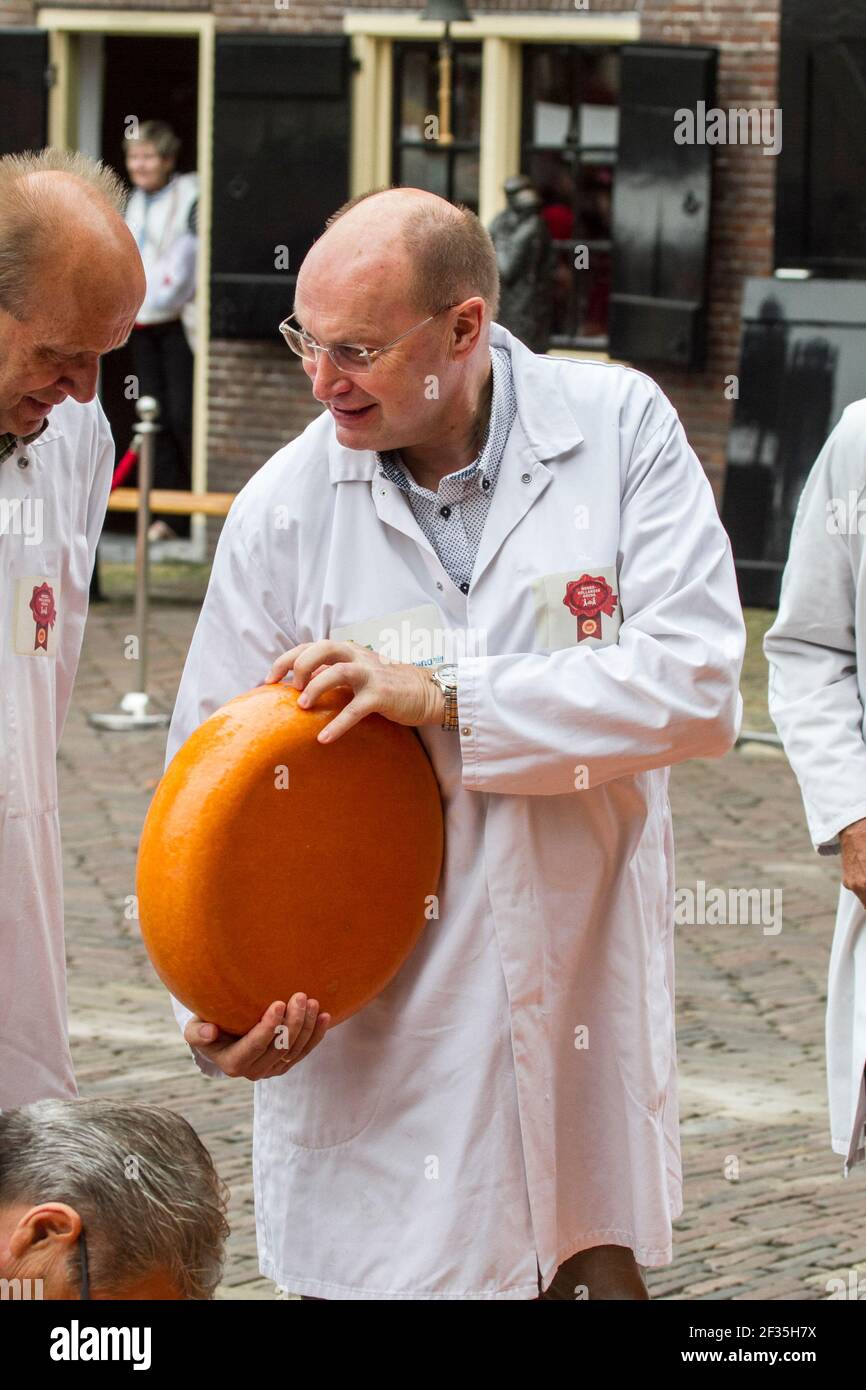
44 614
587 598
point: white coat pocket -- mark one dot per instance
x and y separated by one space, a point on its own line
577 607
330 1096
413 635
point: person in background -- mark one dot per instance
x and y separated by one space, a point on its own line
101 1200
161 215
816 651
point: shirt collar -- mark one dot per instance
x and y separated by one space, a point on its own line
486 465
9 442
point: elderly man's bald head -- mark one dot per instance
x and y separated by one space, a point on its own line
409 245
61 220
71 281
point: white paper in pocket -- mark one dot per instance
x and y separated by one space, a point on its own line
412 635
578 607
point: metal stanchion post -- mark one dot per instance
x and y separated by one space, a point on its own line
134 711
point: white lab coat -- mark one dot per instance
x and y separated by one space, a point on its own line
59 501
510 1098
817 653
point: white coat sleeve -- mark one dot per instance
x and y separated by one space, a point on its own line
242 628
814 696
667 690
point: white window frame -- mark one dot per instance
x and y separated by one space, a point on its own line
502 37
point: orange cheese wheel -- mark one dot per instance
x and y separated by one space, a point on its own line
270 863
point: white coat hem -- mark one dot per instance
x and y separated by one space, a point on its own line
647 1256
650 1256
319 1288
843 1147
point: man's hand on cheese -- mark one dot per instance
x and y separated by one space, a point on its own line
398 690
286 1034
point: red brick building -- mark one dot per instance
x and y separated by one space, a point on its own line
288 106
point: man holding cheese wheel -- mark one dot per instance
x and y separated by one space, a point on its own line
520 557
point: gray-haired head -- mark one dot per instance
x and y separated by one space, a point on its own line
144 1185
156 133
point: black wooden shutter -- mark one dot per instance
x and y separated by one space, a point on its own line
661 208
821 168
281 166
23 90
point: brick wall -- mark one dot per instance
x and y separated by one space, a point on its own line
741 241
17 12
259 397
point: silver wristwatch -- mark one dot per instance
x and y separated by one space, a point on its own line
446 679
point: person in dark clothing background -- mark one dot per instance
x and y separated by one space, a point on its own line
161 214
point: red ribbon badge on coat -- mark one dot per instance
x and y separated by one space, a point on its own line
44 614
587 598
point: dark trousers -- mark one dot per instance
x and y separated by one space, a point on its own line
163 364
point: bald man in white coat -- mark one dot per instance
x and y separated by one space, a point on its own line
71 282
507 1106
816 649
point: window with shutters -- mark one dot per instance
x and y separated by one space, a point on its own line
569 150
418 160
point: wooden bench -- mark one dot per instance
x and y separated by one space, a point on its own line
125 499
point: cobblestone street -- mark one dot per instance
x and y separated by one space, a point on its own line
767 1211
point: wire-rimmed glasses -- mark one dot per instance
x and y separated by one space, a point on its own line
346 357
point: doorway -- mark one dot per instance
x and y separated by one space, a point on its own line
108 65
125 78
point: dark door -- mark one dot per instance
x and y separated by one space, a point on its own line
281 167
802 361
24 80
157 78
821 168
661 208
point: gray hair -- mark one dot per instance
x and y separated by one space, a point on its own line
141 1180
33 221
156 133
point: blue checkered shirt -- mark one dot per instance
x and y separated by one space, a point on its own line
452 518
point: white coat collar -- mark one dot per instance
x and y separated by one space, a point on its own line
548 423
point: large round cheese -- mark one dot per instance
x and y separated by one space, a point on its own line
271 863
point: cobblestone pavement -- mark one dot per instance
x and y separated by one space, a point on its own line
767 1211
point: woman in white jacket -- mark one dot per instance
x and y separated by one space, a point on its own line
161 214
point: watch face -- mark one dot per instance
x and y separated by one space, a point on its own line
447 676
